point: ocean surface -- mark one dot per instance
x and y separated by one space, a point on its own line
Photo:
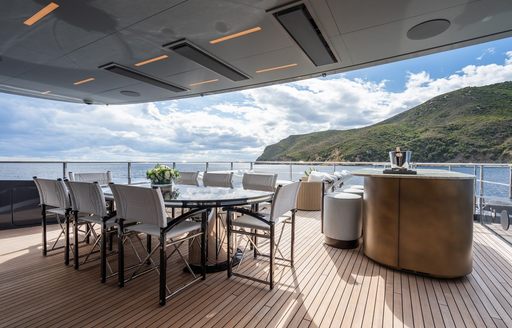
25 171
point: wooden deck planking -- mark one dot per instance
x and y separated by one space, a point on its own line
327 288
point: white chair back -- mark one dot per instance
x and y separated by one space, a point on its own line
102 178
87 197
188 178
285 200
217 179
53 193
139 204
259 181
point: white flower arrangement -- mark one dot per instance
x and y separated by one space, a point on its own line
162 174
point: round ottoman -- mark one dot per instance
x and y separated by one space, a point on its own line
355 187
342 219
359 192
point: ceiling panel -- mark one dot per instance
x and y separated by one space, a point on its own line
377 12
389 40
62 77
276 58
146 93
196 76
71 43
261 4
74 23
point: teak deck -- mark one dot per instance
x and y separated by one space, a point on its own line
327 287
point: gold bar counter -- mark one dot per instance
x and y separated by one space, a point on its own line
421 223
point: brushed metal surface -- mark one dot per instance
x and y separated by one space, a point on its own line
436 226
380 222
421 225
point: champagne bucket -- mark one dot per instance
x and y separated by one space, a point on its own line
400 159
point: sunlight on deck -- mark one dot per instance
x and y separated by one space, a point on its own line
327 288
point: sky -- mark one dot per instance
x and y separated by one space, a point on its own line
238 125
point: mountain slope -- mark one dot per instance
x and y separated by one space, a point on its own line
467 125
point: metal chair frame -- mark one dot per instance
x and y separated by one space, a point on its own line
99 241
252 236
164 292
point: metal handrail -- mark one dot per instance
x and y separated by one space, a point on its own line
479 179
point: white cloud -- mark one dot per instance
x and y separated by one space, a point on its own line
235 126
508 61
488 51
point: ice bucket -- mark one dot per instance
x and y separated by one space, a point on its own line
400 159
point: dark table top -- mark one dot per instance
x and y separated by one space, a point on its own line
199 196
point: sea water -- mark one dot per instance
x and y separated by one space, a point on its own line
25 171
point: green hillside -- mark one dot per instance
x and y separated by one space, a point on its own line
467 125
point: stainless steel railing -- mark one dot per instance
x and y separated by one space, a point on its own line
293 168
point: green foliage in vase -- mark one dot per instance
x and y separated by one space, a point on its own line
308 171
162 174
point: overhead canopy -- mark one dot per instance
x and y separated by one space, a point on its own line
132 51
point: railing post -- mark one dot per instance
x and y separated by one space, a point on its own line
481 193
129 171
206 167
173 165
291 172
64 170
474 186
231 166
252 166
510 182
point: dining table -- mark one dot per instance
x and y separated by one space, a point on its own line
188 197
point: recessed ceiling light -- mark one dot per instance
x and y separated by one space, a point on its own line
84 81
188 50
297 21
263 70
203 82
236 35
151 60
41 14
45 92
428 29
129 93
141 77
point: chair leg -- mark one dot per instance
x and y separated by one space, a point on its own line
255 250
163 271
292 246
148 247
87 234
76 258
217 224
103 253
204 230
110 242
120 254
43 222
229 261
272 255
66 251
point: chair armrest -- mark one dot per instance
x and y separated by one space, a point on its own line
174 222
245 211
